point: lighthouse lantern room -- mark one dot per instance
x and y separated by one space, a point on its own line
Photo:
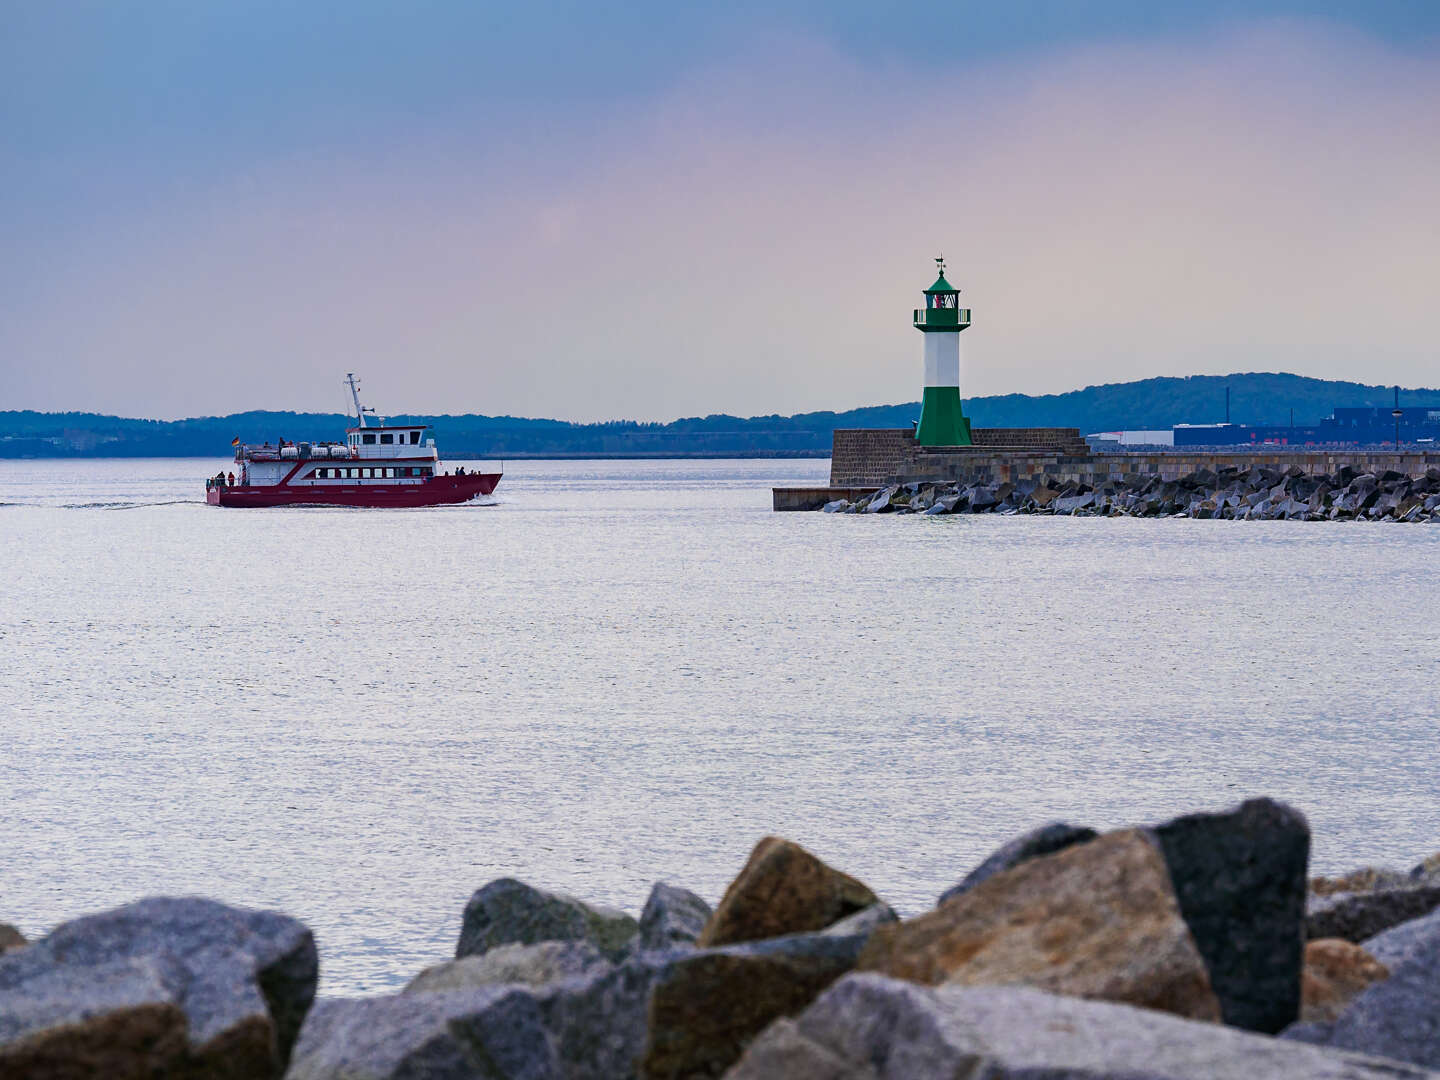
942 420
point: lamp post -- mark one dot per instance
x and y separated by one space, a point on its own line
1395 412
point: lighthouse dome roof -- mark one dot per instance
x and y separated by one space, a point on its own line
941 286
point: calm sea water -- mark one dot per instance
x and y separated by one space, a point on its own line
622 672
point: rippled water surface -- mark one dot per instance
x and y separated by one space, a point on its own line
623 672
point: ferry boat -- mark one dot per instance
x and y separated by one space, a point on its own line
378 465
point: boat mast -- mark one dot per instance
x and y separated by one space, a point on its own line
355 393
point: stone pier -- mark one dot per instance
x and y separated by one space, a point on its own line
868 459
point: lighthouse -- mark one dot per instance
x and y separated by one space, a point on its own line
942 420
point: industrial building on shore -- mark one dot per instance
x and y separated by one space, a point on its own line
1417 425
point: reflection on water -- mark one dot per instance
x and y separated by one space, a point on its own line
623 672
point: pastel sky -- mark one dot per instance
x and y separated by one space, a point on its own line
651 210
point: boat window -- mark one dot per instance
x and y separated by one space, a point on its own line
425 470
389 473
369 438
387 438
414 438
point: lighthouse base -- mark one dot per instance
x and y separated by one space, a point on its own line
942 420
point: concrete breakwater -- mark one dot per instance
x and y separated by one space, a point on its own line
1258 493
869 460
1191 948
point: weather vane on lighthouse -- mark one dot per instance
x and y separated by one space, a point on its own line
942 420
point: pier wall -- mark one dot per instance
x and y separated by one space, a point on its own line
876 457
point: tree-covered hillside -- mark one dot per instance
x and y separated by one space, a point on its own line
1256 398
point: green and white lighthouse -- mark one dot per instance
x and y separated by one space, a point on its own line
942 420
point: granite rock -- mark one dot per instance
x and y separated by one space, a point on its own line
783 1052
1046 840
492 1033
1335 972
1366 879
783 889
1095 920
191 986
509 912
598 1024
880 501
672 917
119 1018
1071 503
1398 1016
1360 915
867 1027
535 965
707 1005
1259 494
1240 879
863 922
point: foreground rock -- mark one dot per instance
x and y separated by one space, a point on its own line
672 917
591 1027
1356 916
1367 879
863 923
1046 840
599 1025
1095 920
509 912
495 1032
686 1013
10 938
871 1028
1335 972
182 987
1240 880
783 889
1261 493
707 1006
526 965
1398 1016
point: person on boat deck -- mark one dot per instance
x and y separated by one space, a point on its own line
230 480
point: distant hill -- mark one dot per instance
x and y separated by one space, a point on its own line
1255 398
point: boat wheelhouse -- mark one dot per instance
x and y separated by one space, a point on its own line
379 465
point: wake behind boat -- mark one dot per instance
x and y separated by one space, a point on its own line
379 465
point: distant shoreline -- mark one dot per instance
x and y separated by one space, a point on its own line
814 455
1257 398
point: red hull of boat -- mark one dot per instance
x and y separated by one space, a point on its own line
436 491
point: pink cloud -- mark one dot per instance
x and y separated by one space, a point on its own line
754 240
